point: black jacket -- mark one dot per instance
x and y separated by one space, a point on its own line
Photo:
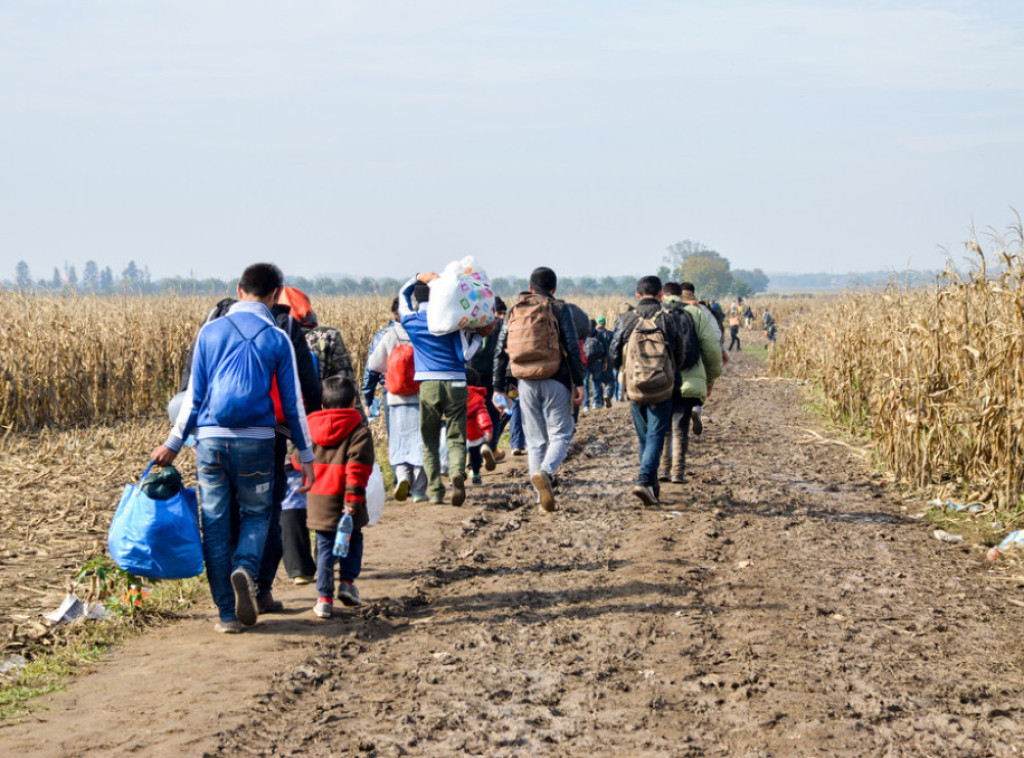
571 372
626 323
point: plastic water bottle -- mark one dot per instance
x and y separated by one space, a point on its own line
343 536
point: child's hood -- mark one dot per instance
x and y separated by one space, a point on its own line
477 397
331 425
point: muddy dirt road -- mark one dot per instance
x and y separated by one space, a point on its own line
781 603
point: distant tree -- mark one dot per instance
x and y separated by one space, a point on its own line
72 277
678 252
106 280
665 273
91 276
131 277
56 281
709 273
756 280
22 276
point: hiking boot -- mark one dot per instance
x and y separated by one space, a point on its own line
519 451
698 425
301 580
402 490
646 494
227 627
458 490
348 594
324 608
488 455
663 476
678 479
267 604
607 402
477 479
246 607
542 483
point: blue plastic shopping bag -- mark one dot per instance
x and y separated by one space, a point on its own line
157 539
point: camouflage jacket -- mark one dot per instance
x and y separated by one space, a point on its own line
326 343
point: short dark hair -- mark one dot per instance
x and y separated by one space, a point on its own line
420 293
394 305
687 287
544 280
648 286
499 305
473 378
261 279
338 392
672 288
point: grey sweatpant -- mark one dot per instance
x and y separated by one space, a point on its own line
546 406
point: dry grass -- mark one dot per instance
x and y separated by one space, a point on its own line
936 374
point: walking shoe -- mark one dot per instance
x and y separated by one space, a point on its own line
662 476
227 627
698 425
607 402
267 604
488 455
458 490
301 580
519 451
499 456
246 607
402 490
348 594
678 479
477 479
324 608
542 483
437 499
646 494
419 498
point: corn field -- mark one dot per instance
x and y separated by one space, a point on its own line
936 374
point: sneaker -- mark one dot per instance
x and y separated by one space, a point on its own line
662 476
324 608
301 580
227 627
419 498
267 604
698 425
678 479
499 456
348 594
542 482
458 490
646 494
519 451
607 402
402 490
477 479
437 499
246 607
488 455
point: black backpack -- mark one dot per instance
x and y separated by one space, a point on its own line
594 349
691 343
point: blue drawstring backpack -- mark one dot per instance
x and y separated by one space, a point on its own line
157 538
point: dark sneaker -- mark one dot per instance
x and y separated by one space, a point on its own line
477 479
267 604
607 402
646 494
402 490
348 594
227 627
246 607
698 425
488 455
663 476
542 483
458 490
678 479
519 451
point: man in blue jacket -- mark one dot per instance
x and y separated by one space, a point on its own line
229 407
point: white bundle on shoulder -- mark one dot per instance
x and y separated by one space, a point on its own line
460 298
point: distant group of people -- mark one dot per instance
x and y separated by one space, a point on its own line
261 362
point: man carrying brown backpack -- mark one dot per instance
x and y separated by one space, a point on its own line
648 346
539 350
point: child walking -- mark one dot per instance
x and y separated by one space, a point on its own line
343 450
479 427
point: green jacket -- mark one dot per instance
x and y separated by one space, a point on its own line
695 380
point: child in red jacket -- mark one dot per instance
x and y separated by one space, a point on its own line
343 450
478 427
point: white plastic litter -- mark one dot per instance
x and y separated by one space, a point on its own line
942 534
375 495
460 298
13 665
68 610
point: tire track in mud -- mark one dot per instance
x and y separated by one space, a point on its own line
776 604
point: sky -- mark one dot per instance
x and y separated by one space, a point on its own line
385 138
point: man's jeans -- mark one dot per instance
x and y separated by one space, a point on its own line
517 440
447 400
245 469
546 407
594 397
651 423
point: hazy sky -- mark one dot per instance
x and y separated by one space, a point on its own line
380 138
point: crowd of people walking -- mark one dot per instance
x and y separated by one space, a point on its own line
281 428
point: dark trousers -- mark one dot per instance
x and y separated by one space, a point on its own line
295 543
348 567
734 334
677 440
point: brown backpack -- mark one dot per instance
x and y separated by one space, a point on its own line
649 369
533 347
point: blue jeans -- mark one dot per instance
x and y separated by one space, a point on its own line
243 469
651 423
348 567
593 397
515 427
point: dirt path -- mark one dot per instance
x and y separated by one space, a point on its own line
778 604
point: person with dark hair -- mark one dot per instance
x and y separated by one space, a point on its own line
371 378
444 395
648 345
688 296
343 448
539 349
232 414
595 350
483 364
608 378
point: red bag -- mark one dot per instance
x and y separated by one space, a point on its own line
398 380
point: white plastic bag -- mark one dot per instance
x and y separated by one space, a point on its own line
461 298
375 495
